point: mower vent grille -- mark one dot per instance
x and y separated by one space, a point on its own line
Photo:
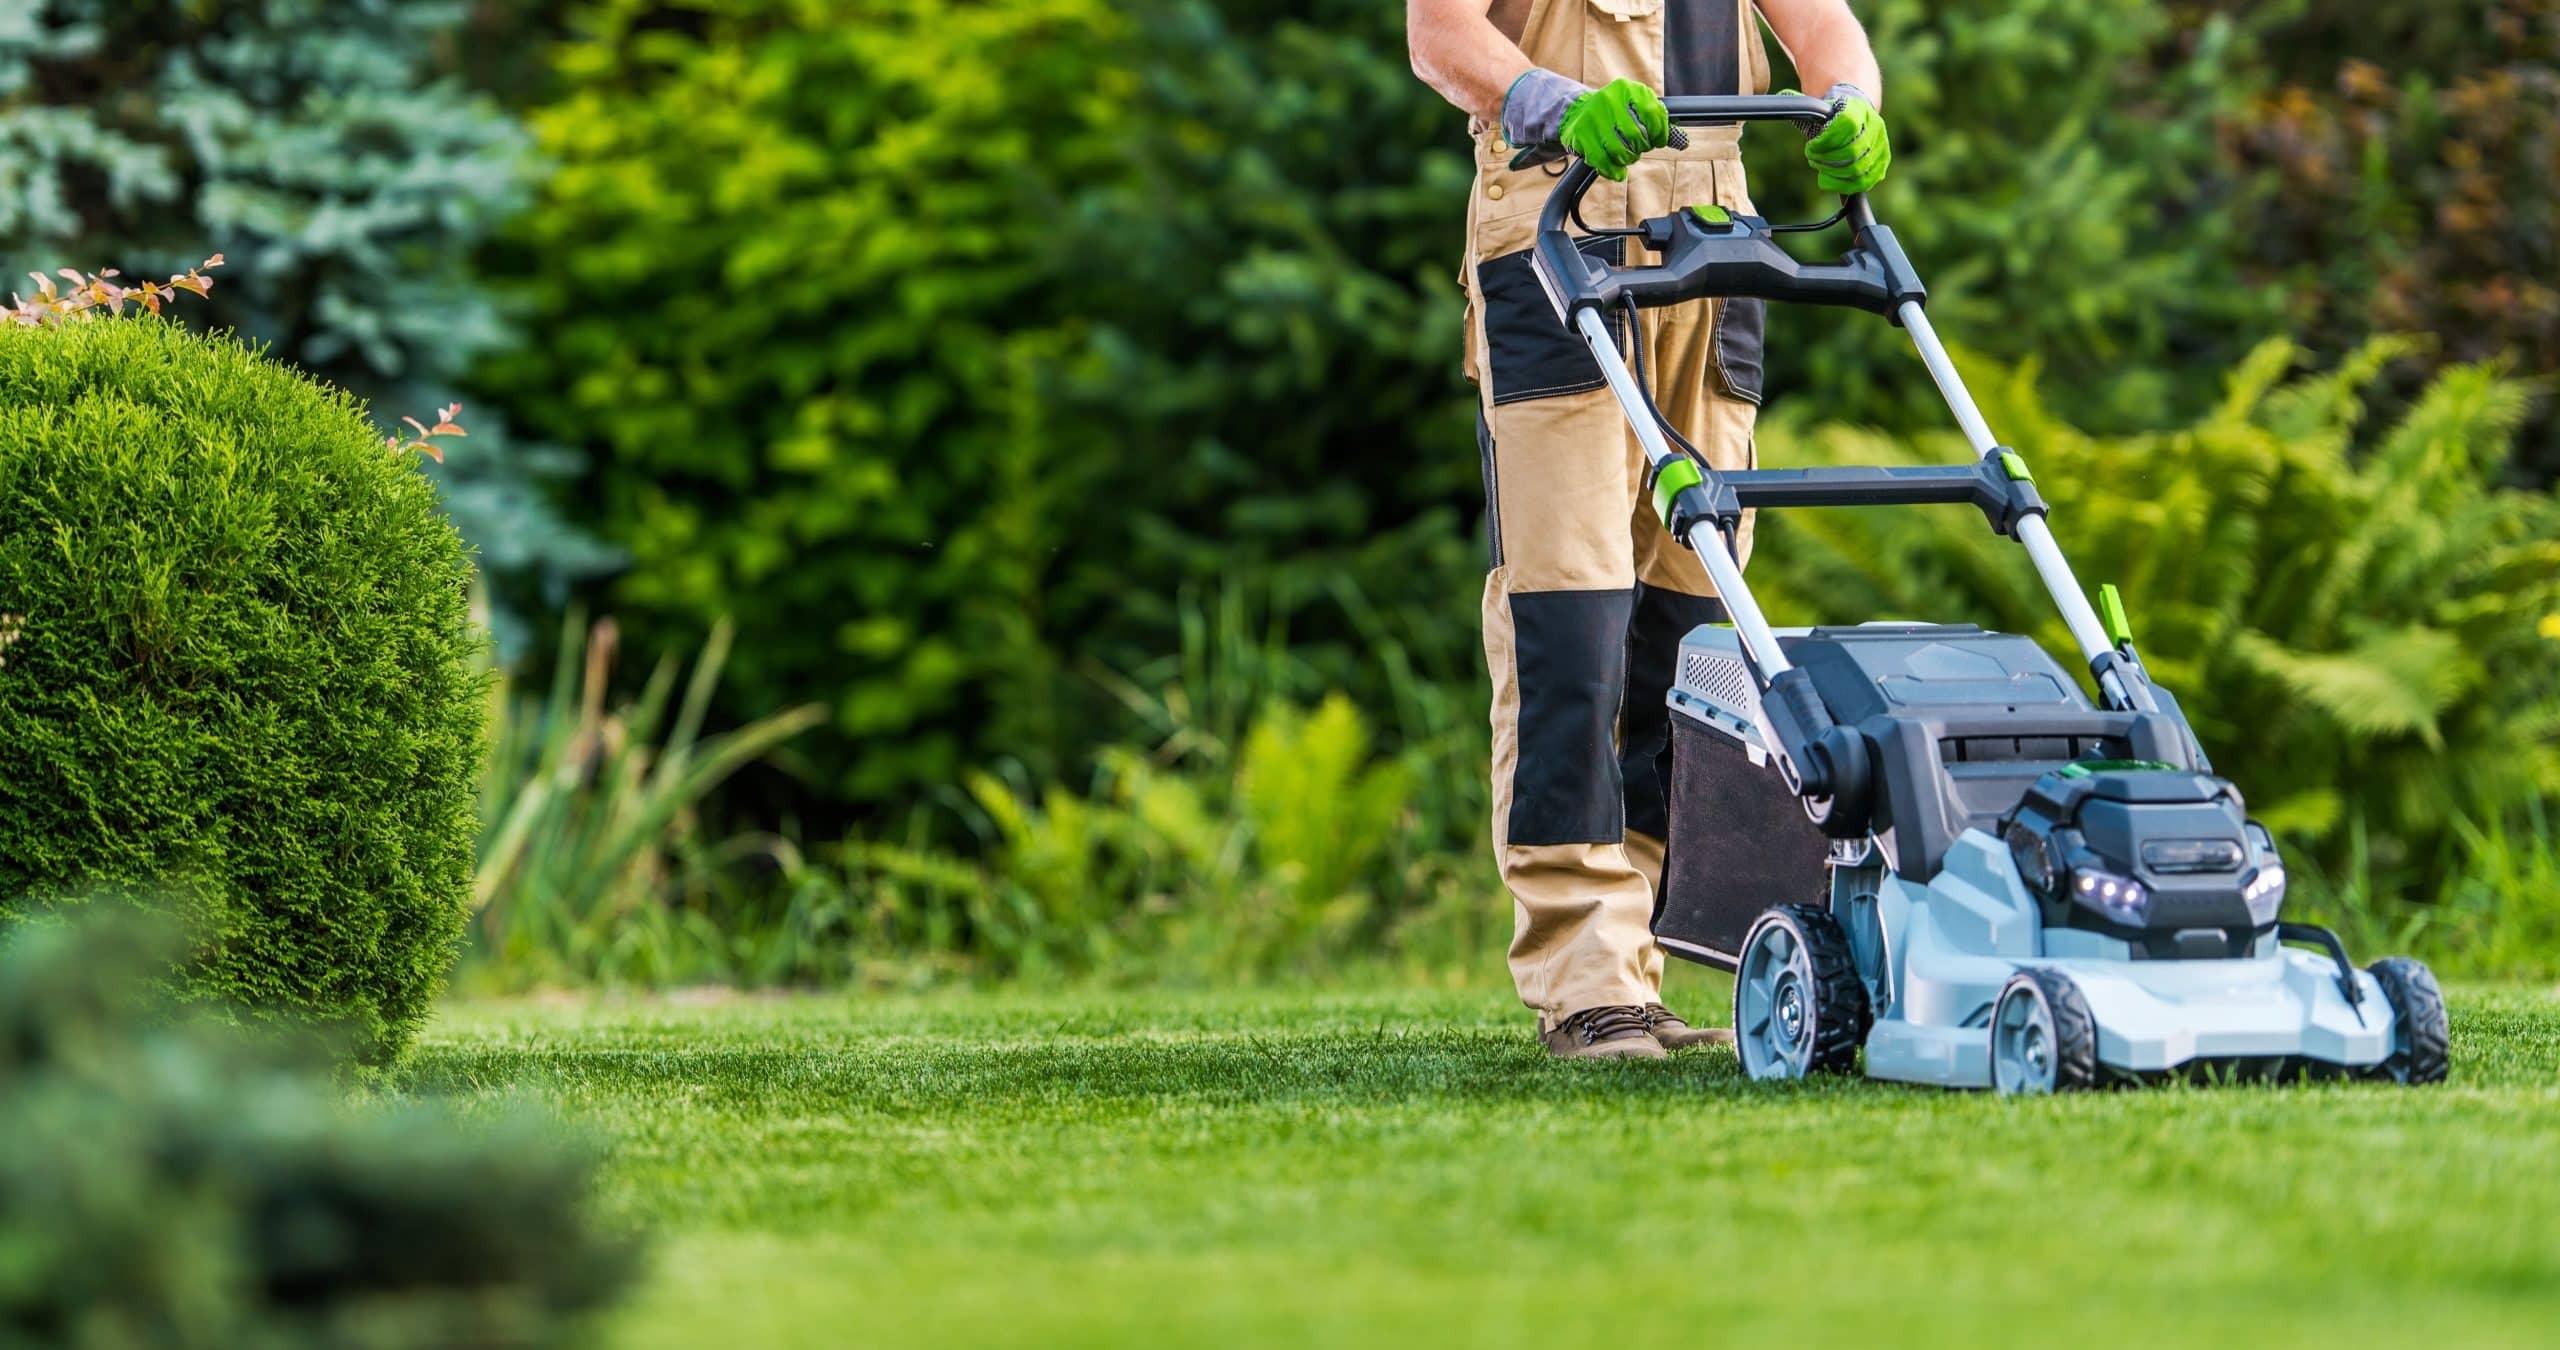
1720 678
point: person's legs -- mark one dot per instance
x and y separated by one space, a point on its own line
1561 609
1557 605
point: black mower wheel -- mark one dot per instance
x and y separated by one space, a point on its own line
2042 1036
1798 1005
2421 1034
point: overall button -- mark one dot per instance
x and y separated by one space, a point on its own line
1493 191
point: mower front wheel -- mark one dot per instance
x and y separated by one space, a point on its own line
1798 1004
2043 1039
2421 1034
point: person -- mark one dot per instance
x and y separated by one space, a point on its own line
1587 596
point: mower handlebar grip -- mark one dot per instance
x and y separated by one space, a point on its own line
1706 109
1874 276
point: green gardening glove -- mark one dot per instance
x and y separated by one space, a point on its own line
1612 126
1850 153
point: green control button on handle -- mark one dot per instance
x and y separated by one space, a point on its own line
2111 611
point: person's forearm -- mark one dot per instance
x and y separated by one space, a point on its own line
1456 50
1828 45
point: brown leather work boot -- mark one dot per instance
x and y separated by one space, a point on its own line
1671 1033
1603 1033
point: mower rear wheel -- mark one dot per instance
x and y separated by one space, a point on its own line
1798 1005
2421 1034
2042 1037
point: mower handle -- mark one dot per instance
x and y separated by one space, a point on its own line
1706 109
1702 259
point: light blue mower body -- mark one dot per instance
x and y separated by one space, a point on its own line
1913 940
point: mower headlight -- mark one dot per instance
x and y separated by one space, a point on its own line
2265 882
2117 896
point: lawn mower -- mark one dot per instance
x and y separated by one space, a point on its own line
1924 842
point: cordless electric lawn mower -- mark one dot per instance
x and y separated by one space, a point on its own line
2027 890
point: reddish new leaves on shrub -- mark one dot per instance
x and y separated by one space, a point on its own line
87 292
425 441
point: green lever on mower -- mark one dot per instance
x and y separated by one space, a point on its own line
2111 611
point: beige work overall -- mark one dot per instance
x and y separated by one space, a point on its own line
1588 596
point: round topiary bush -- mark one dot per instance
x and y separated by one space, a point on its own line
241 683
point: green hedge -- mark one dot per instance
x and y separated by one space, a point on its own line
244 676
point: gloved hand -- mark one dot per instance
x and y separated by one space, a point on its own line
1850 153
1611 127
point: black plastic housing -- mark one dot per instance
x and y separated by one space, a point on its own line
1958 723
2183 836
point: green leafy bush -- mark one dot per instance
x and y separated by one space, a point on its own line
2363 625
172 1183
795 315
244 675
314 143
1295 852
944 420
1266 287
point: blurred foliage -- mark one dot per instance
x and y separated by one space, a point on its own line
2407 162
1061 391
1290 854
1269 319
593 864
243 681
175 1183
1246 836
310 142
797 316
1249 836
2362 624
2058 181
944 420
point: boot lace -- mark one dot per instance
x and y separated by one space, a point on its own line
1593 1025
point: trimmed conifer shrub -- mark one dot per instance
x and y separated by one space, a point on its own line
240 675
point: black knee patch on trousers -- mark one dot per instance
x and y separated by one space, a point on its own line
1661 619
1570 648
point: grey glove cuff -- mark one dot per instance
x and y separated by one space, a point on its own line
1533 109
1835 96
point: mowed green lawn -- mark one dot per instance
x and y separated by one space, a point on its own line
1407 1169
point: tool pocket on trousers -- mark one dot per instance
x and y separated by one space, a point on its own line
1741 333
1529 353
